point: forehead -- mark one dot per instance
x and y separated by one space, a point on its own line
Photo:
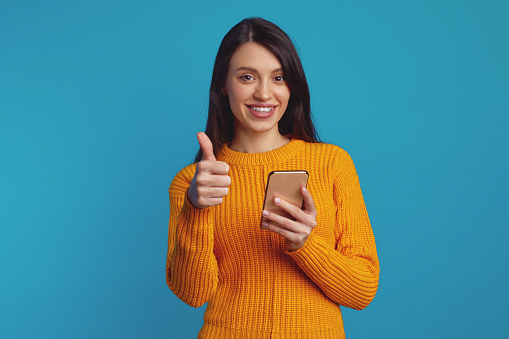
254 55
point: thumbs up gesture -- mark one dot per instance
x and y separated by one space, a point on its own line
210 182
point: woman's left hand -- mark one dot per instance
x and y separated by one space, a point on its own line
297 231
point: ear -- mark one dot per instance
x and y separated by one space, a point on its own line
223 91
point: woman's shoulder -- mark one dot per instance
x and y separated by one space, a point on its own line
330 151
330 157
182 179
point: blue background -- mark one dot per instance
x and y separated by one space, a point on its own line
100 102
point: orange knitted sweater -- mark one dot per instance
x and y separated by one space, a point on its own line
253 287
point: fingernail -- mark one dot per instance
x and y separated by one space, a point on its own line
304 189
265 213
265 225
277 201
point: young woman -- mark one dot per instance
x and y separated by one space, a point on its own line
287 278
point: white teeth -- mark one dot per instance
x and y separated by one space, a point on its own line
261 109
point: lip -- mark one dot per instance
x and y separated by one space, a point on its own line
262 115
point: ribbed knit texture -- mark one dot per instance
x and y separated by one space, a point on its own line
253 286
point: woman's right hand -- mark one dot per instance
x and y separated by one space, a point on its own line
210 182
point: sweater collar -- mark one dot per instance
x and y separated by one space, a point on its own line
275 156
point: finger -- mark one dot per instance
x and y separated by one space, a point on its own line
293 210
289 235
209 202
206 181
206 146
271 226
213 167
282 222
217 192
309 203
217 167
221 181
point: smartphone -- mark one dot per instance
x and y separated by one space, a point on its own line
285 185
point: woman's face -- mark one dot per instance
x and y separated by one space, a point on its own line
256 89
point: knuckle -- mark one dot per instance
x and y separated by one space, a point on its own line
200 191
200 180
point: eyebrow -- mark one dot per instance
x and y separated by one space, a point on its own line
250 69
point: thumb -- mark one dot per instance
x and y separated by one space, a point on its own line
309 204
206 146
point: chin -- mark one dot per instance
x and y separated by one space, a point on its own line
263 128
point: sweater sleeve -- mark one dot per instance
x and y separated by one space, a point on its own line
191 267
347 274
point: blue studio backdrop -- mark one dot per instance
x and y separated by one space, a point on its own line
100 103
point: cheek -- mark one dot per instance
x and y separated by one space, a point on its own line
283 96
237 94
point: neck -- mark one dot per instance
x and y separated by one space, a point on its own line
256 142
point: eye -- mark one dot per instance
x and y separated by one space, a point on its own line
279 78
246 77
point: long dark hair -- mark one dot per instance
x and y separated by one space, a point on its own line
296 120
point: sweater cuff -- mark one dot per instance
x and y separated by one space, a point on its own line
312 253
195 225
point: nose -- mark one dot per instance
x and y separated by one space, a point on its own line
263 91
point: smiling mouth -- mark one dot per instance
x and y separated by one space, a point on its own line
262 109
